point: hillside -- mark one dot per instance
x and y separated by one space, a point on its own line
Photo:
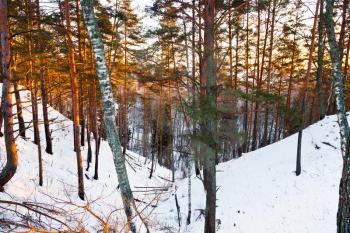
258 192
59 191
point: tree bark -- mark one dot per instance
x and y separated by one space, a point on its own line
343 216
75 98
89 152
109 109
209 126
2 112
258 84
45 113
32 81
42 82
81 76
304 92
345 9
245 120
265 139
97 153
290 82
21 124
11 151
320 56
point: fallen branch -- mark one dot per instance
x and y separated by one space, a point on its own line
328 144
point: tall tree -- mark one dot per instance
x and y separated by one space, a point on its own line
81 73
343 216
21 124
304 91
42 82
11 151
109 110
208 127
75 98
32 80
265 139
320 57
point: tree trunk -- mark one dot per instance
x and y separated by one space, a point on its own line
194 123
209 126
97 153
256 109
290 83
304 92
81 76
269 71
319 72
75 94
43 88
45 114
258 84
345 9
343 216
245 124
21 124
32 81
145 133
109 109
125 99
230 43
11 151
88 136
236 59
347 60
2 112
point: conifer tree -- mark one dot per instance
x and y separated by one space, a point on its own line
11 151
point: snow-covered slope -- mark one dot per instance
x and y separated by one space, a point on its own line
60 178
259 192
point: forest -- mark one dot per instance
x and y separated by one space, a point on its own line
175 116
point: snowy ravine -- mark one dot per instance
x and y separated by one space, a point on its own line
60 178
258 192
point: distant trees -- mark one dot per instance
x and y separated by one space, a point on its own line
129 36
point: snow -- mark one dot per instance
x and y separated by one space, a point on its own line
257 192
60 175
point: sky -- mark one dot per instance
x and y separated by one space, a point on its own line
140 5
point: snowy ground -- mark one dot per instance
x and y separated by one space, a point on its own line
60 177
258 192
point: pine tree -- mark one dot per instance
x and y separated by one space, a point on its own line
208 127
75 102
11 151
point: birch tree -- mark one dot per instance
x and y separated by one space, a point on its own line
109 109
343 216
